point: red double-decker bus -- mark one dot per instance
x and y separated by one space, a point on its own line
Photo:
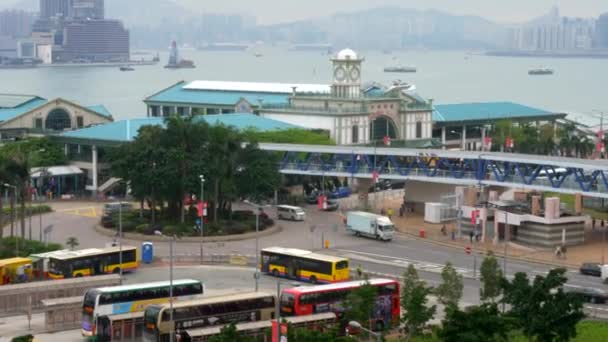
308 300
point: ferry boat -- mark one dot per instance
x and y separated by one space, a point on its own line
126 68
400 69
540 71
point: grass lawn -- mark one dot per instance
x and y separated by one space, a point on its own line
569 201
587 331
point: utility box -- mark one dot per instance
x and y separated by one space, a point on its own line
147 252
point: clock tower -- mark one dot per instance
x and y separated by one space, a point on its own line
347 74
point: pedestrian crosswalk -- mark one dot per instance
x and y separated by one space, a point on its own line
401 262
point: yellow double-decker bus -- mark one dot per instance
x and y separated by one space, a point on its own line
304 265
92 261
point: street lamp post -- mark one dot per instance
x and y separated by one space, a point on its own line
120 240
358 326
202 178
258 209
171 242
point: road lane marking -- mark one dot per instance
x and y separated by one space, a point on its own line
402 262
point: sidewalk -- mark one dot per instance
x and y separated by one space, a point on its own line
413 223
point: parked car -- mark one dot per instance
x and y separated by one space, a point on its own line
591 295
591 268
342 192
313 197
332 204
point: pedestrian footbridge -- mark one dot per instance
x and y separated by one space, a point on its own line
543 173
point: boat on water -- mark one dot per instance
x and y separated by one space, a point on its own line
224 47
126 68
540 71
400 69
175 62
182 64
258 54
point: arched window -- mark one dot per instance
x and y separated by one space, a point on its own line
355 134
58 120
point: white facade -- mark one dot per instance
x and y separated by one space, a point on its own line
350 115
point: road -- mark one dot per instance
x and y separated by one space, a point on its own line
377 257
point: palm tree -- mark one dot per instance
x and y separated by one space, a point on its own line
18 170
584 147
567 139
72 242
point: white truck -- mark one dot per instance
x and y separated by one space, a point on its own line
371 225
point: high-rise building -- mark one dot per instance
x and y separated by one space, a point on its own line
16 24
87 9
601 31
95 40
55 8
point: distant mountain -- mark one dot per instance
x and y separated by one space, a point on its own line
153 24
393 28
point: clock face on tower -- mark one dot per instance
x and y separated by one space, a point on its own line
340 74
355 74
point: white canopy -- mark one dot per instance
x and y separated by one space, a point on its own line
53 171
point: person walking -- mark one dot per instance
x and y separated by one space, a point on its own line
471 235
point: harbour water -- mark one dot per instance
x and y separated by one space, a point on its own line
578 86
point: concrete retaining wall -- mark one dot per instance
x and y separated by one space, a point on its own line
551 235
15 298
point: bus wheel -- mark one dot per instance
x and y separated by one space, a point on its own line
313 280
79 275
116 270
379 326
275 273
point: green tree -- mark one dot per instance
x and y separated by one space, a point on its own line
477 324
542 309
414 302
229 334
72 242
162 166
359 304
491 277
450 290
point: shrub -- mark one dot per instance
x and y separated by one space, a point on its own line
24 338
142 229
26 247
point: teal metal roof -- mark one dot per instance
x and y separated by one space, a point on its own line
486 111
24 105
100 109
178 95
127 130
13 100
118 131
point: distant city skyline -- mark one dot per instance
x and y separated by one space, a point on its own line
271 12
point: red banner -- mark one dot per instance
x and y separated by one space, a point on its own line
387 140
201 208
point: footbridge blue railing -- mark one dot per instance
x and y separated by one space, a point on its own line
544 173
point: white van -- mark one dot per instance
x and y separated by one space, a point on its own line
288 212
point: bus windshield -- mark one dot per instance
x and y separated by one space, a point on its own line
287 304
88 308
57 267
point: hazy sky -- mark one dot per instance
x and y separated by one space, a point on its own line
272 11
